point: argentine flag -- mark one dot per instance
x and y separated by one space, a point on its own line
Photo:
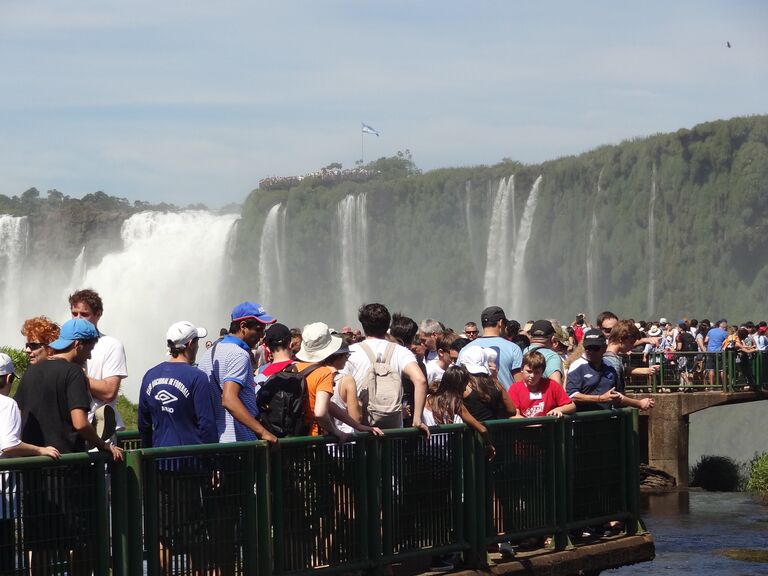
369 130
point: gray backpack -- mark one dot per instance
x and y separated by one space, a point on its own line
382 391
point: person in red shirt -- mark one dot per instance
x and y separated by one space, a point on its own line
537 396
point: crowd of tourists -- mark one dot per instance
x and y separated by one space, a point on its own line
264 380
324 175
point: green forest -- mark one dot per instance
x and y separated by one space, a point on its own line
428 232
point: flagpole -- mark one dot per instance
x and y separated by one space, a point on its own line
362 147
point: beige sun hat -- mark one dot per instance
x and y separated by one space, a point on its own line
317 343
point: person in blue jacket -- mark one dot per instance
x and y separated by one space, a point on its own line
176 408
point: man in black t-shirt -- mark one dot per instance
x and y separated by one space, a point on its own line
685 342
54 400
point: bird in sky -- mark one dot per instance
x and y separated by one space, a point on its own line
727 43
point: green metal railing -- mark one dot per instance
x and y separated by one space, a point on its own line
129 439
696 372
311 505
54 515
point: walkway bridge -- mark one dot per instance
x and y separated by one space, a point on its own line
315 507
689 382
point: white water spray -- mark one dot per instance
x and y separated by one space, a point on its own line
170 268
652 247
271 260
592 252
497 264
352 225
519 288
14 232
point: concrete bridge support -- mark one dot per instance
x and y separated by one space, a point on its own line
668 426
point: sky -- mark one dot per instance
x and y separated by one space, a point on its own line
196 101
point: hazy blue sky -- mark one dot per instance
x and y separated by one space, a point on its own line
196 101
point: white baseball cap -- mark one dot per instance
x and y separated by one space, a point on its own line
182 333
6 364
474 359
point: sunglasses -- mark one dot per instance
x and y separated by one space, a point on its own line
592 348
471 332
33 345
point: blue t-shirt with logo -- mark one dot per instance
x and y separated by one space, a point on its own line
583 378
176 407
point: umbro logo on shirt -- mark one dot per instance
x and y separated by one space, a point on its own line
165 398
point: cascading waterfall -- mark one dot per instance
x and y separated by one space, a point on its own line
170 268
521 243
497 264
652 247
352 224
14 232
468 215
592 248
271 261
78 272
592 252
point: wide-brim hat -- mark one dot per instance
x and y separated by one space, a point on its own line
655 331
318 343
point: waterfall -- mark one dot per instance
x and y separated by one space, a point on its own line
591 253
591 249
497 265
521 243
652 247
14 232
78 272
351 219
468 215
169 269
271 260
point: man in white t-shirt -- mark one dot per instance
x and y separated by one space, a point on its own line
107 366
375 319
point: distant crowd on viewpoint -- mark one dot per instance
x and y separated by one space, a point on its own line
328 175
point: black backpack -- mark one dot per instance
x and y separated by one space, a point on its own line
688 341
281 401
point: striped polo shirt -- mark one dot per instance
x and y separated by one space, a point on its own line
230 360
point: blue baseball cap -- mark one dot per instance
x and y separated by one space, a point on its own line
248 310
74 329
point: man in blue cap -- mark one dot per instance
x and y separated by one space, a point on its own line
229 367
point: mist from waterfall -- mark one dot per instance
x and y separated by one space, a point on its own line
352 225
170 268
272 284
14 232
519 285
498 257
652 247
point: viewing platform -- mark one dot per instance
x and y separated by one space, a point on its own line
375 505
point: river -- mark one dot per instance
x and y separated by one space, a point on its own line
690 527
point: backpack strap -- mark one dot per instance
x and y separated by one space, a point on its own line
368 352
388 353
